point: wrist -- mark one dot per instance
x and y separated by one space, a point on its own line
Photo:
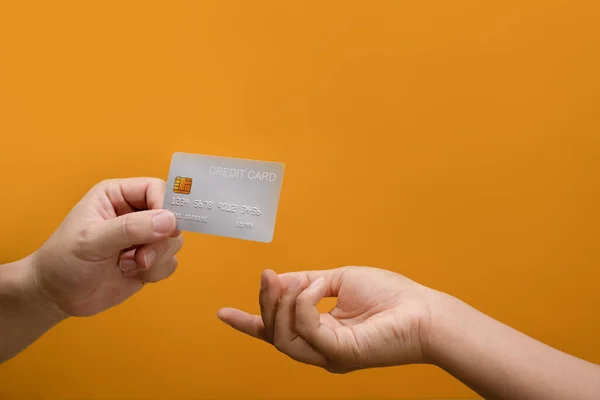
445 314
23 286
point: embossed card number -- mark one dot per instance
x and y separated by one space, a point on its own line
224 196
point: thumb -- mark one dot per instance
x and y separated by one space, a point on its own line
105 238
319 336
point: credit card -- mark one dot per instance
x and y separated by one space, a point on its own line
224 196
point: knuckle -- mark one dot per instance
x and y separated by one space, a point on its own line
336 369
85 244
105 183
282 306
126 226
278 345
171 267
84 233
81 242
157 181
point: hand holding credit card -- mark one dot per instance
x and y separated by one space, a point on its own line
224 196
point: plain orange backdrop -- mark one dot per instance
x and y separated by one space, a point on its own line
456 142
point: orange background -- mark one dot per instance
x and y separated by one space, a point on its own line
456 142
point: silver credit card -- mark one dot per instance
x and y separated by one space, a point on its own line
224 196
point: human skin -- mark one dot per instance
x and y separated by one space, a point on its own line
384 319
113 242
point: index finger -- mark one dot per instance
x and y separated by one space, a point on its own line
332 279
134 194
249 324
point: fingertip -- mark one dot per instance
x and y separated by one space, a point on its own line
128 255
177 233
269 280
226 313
223 311
269 273
149 258
127 265
144 257
221 314
312 294
164 222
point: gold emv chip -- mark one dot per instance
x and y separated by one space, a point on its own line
182 185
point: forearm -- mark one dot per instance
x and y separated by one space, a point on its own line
499 362
24 313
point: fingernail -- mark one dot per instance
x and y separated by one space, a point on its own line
150 257
163 222
317 283
263 281
294 284
127 265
